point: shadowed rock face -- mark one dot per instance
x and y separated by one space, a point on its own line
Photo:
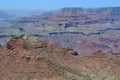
31 58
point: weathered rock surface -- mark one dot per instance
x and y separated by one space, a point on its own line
77 28
74 17
30 58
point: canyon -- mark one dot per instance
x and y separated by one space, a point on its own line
85 30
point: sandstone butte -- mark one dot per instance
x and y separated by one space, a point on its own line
29 58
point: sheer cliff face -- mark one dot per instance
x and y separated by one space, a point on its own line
90 29
85 44
77 28
93 33
31 58
74 17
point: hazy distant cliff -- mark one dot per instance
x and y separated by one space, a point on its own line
74 17
78 28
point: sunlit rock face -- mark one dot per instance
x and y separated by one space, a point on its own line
34 59
78 28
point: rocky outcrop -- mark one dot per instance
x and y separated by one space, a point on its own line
31 58
21 58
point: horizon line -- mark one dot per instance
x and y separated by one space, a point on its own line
66 7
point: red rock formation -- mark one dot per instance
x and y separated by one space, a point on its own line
23 59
